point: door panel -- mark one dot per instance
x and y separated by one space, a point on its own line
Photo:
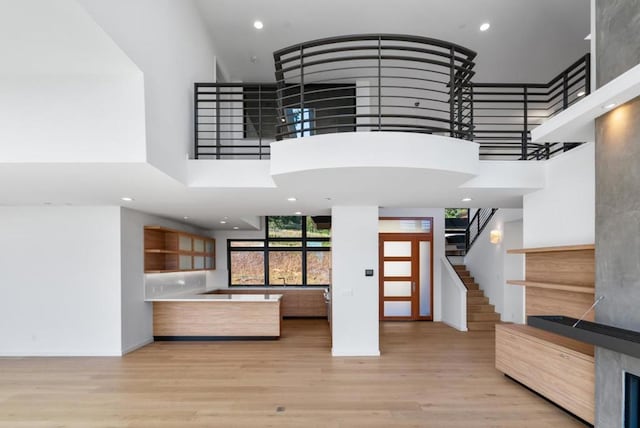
405 276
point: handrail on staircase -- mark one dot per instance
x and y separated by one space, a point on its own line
476 225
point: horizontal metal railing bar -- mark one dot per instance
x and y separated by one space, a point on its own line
373 47
395 37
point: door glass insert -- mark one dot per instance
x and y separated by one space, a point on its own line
397 248
397 309
397 289
397 268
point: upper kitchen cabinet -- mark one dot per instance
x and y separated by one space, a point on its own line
169 250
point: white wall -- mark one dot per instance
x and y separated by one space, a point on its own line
488 263
137 315
454 297
174 50
354 247
563 213
60 281
438 246
67 92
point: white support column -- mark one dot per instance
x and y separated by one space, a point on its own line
354 247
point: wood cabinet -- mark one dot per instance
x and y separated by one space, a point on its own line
295 302
558 281
559 368
169 250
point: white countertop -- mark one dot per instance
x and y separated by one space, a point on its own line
193 297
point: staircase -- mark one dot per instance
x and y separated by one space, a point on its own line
481 316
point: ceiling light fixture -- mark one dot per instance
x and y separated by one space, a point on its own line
291 199
485 26
609 106
126 199
235 228
258 25
223 222
581 94
186 217
467 199
298 213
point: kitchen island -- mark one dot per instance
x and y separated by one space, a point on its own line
217 316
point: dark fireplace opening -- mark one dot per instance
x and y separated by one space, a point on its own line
631 401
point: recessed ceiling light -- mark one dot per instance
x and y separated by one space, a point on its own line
235 228
126 199
298 213
223 222
258 25
581 94
485 26
186 217
608 106
283 119
467 199
291 199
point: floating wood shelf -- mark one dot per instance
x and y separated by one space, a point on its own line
552 249
552 286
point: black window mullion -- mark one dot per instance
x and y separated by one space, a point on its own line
304 251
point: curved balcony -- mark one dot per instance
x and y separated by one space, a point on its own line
382 82
374 82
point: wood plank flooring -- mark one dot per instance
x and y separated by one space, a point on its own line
428 376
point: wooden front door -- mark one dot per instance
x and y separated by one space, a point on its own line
405 276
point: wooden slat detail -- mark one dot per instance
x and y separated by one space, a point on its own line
551 249
216 319
555 302
571 268
560 373
550 286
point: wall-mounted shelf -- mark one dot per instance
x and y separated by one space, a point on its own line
170 250
562 248
552 286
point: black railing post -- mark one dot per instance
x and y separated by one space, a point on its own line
472 125
218 142
565 90
379 83
525 146
451 91
587 74
301 91
526 111
196 152
259 121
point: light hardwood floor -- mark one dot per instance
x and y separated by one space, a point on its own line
428 376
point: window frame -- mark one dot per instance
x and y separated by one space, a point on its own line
304 248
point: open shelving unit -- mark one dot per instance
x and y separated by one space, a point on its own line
169 250
558 281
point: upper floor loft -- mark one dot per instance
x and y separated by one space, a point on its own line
382 83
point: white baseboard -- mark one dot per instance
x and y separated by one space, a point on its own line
27 354
455 326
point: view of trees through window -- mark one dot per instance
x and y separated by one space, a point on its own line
294 252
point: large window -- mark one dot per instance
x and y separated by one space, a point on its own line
293 252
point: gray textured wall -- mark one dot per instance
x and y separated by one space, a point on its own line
617 203
617 208
617 37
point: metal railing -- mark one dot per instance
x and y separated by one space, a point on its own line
234 120
381 83
505 113
374 82
477 224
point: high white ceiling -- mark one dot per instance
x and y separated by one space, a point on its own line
529 40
